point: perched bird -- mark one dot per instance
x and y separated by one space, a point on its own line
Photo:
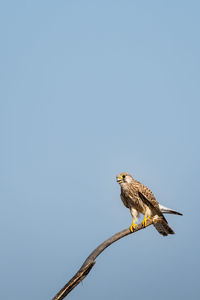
139 199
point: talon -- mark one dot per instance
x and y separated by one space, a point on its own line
133 226
144 222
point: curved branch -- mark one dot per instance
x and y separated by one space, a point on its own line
90 260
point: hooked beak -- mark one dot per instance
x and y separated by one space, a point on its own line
119 179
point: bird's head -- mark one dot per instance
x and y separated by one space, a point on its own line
124 178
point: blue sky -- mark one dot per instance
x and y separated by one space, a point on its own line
90 89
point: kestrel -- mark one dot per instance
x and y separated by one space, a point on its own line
139 199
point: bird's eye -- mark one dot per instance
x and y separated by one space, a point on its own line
123 176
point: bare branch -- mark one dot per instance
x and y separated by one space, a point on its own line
90 261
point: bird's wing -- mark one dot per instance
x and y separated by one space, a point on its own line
149 199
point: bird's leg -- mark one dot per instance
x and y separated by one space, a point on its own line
144 222
133 225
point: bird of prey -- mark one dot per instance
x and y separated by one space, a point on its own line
139 199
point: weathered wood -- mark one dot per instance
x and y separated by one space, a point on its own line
90 260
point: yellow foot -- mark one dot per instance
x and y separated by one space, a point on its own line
133 225
144 222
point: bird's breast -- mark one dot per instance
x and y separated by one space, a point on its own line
133 200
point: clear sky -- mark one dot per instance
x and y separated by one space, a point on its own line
90 89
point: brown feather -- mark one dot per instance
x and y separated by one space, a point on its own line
140 199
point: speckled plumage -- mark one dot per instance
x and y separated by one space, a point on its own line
139 199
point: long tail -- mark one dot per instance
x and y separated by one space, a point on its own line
163 228
166 210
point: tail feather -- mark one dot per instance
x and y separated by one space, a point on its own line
166 210
163 228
